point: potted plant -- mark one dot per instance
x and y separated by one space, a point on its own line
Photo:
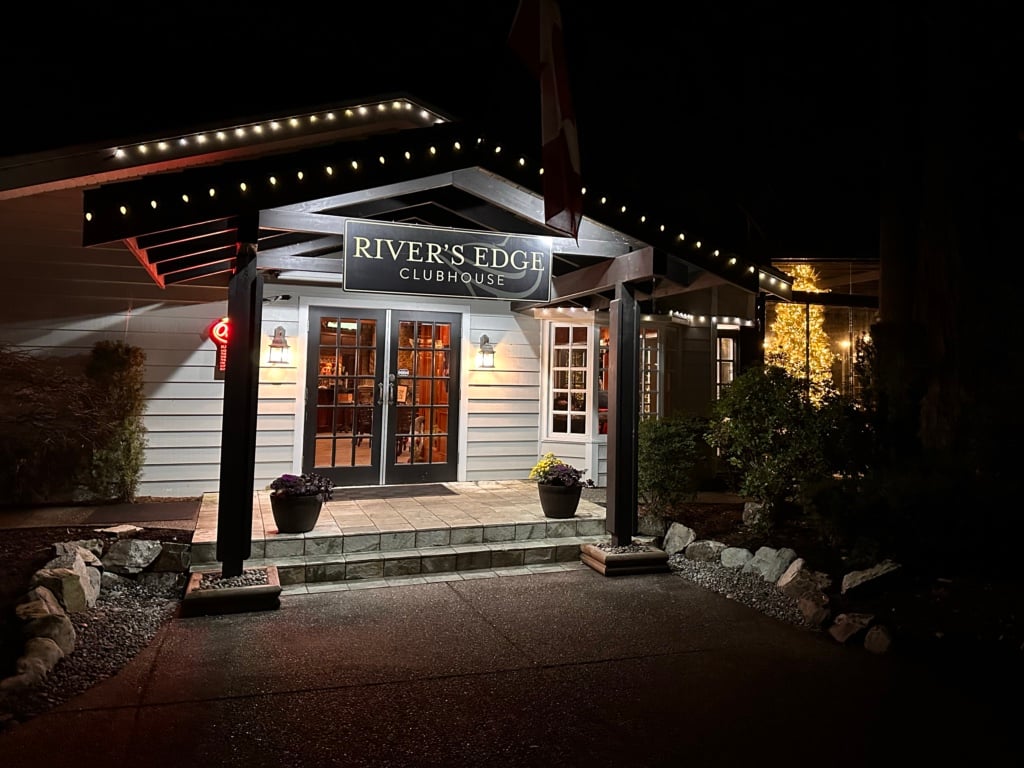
559 486
296 500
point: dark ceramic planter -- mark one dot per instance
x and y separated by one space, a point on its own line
559 501
295 514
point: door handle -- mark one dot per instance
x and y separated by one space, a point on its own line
392 400
380 393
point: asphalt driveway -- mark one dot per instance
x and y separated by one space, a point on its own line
559 669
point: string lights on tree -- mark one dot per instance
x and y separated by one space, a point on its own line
797 341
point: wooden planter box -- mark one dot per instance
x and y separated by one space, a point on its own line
258 597
653 560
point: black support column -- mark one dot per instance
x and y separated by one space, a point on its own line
238 430
623 412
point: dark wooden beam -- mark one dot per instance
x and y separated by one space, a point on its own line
623 407
238 430
193 261
195 273
605 276
281 263
831 299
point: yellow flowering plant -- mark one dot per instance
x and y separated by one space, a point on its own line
551 470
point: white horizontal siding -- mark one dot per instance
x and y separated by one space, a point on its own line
63 298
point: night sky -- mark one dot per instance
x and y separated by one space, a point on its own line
758 125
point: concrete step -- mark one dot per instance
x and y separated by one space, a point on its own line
310 558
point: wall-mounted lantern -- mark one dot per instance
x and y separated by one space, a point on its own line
279 351
485 357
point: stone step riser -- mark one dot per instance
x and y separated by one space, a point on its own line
312 545
432 561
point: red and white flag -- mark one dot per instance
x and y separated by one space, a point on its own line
536 37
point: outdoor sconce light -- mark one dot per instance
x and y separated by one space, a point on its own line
485 358
279 354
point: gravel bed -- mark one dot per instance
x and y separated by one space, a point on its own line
250 577
123 622
747 588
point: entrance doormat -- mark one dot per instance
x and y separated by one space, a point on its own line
144 512
392 491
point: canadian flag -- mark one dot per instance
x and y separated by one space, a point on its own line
536 37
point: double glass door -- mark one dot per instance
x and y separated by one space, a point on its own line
386 401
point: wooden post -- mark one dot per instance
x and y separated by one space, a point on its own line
238 425
623 412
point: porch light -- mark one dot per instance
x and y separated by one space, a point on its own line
485 357
279 354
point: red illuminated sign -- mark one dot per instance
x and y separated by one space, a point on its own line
218 333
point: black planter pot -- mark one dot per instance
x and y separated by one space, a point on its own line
295 514
559 501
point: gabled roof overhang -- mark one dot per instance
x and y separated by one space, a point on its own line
186 225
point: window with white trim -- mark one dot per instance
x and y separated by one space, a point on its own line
727 353
650 372
569 369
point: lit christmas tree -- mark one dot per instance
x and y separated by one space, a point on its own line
798 342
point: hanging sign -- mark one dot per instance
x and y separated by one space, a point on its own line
218 334
405 258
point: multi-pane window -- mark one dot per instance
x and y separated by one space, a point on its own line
725 363
570 362
650 372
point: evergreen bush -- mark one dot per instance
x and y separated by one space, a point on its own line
672 458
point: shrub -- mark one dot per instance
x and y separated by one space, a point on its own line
672 454
116 371
767 429
66 435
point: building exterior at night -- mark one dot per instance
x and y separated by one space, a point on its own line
418 321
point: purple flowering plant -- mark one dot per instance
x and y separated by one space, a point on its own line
306 484
551 470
